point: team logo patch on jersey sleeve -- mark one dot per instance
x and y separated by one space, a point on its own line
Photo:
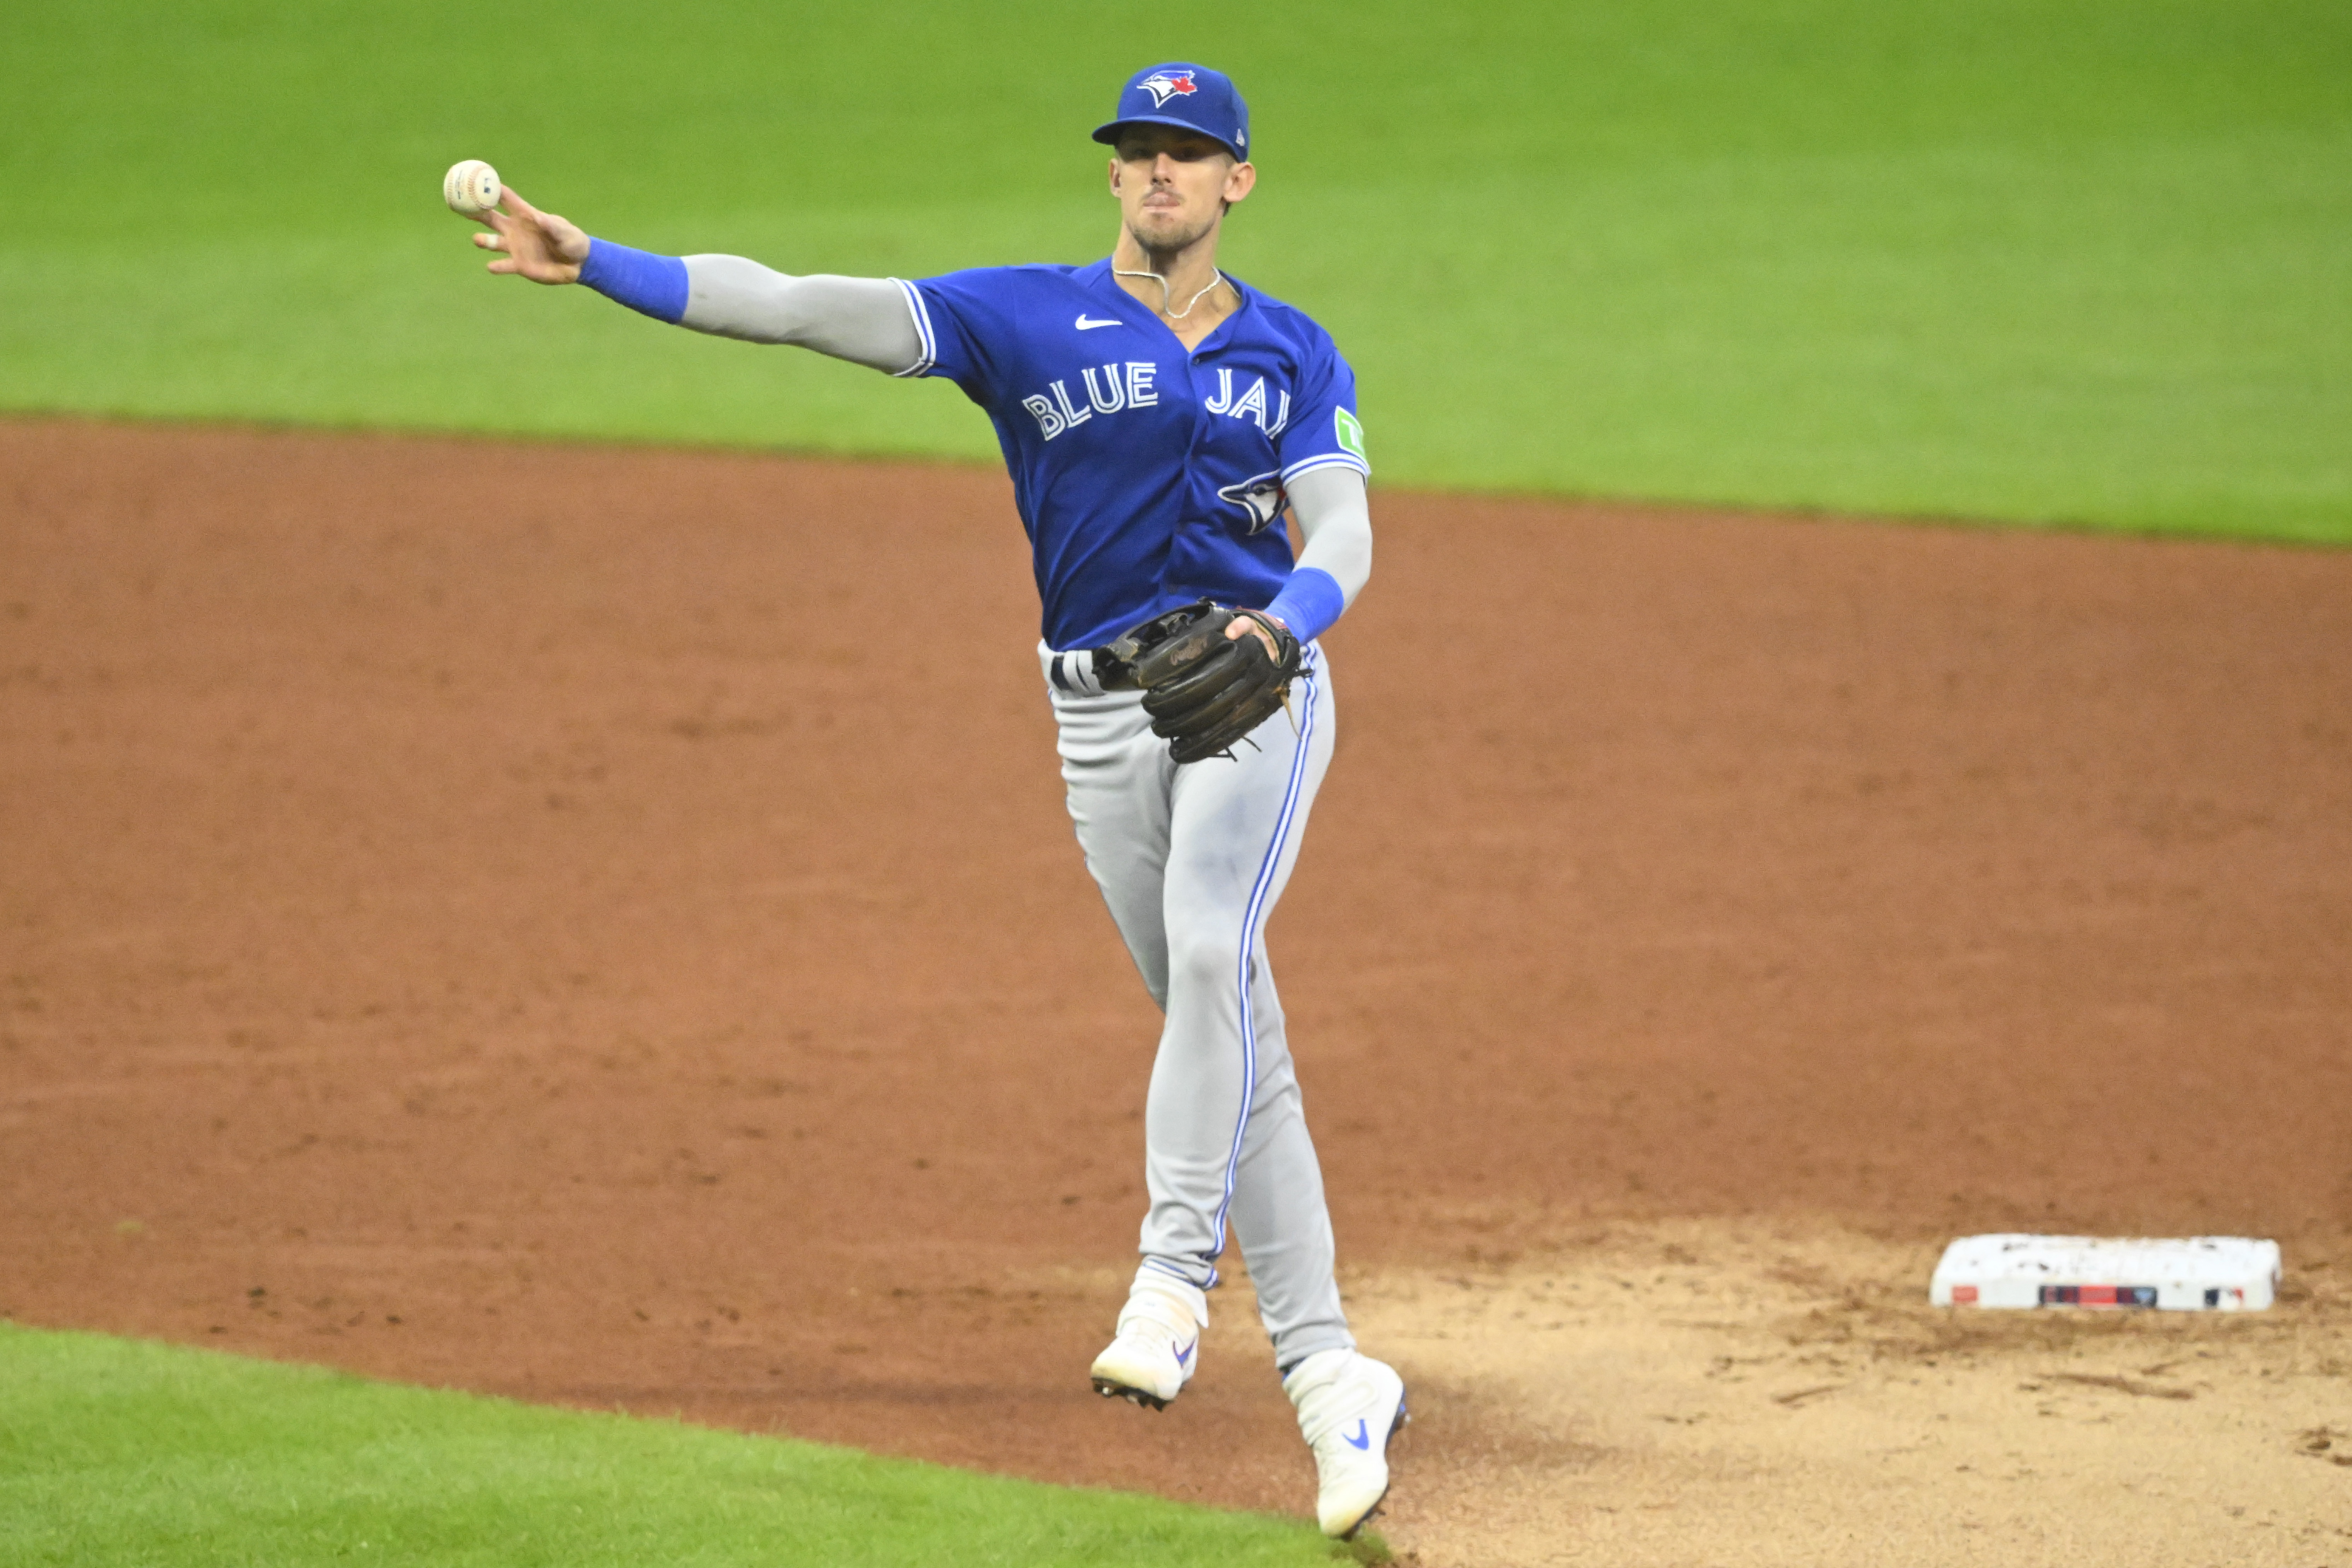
1163 85
1261 496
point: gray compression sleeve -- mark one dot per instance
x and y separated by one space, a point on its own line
866 320
1335 520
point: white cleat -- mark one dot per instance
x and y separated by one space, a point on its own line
1158 1344
1349 1406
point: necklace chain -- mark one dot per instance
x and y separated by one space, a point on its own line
1167 299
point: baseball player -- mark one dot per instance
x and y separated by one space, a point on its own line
1158 417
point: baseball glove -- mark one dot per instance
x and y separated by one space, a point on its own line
1204 689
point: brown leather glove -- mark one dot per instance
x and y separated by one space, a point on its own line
1204 690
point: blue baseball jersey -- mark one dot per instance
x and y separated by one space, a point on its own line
1148 475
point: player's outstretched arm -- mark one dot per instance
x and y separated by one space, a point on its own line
867 321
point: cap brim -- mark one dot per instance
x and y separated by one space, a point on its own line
1109 134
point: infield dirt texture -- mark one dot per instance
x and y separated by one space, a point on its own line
542 936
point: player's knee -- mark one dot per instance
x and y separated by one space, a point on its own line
1205 960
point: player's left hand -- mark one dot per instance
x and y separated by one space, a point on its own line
538 245
1245 627
1206 685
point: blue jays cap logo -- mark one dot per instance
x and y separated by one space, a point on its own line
1184 94
1163 85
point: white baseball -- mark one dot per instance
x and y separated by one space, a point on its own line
471 187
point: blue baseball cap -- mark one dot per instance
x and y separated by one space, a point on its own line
1193 97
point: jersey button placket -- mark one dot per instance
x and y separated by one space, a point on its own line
1200 418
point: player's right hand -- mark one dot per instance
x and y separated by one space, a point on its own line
538 245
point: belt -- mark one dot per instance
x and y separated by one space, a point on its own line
1084 672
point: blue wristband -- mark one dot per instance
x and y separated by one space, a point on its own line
1308 603
654 285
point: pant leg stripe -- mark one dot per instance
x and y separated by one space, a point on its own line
1256 913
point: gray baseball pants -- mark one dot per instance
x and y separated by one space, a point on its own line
1190 861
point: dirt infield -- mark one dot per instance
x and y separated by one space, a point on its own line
600 926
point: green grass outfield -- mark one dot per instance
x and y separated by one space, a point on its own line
124 1453
2083 260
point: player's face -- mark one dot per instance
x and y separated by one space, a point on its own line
1173 186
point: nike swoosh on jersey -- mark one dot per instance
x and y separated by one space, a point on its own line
1084 324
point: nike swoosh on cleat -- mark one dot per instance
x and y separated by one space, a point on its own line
1084 324
1186 1354
1362 1437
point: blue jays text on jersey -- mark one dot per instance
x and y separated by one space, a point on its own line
1147 475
